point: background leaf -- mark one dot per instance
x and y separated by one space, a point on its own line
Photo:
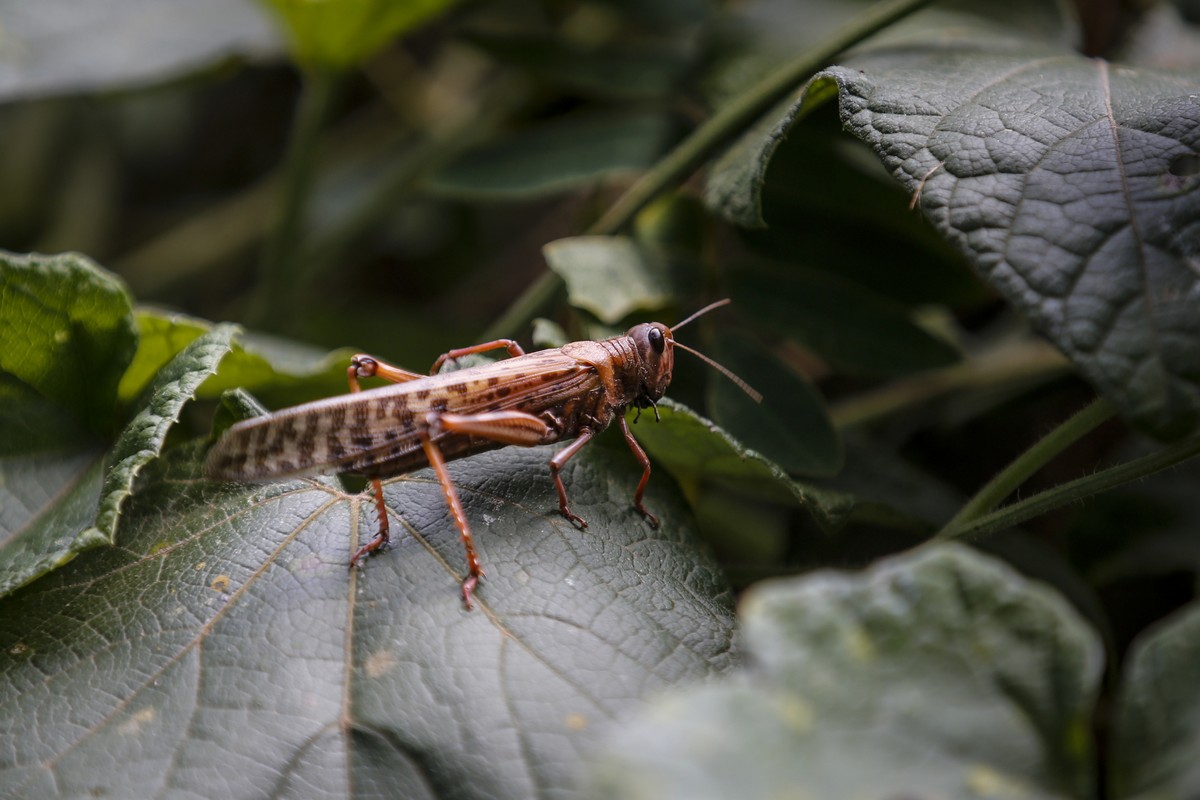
845 324
646 67
66 335
277 371
553 158
845 667
1156 732
58 46
695 450
790 426
340 33
610 276
238 651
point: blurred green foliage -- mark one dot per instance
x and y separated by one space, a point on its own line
403 178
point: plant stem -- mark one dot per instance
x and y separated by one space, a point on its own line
1073 491
745 109
1013 364
710 137
270 300
1028 463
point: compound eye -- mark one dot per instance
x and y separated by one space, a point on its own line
657 342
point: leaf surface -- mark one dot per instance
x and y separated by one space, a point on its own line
279 372
239 655
1058 177
1067 183
694 450
66 335
846 667
144 437
610 276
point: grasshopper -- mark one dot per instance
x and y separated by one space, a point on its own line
571 392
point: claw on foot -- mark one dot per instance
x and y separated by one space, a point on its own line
367 549
468 589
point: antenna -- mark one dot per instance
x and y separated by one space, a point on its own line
750 391
702 312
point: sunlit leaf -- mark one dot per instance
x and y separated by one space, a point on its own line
340 33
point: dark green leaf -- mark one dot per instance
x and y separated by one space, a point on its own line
48 501
694 449
790 426
625 69
1156 731
557 157
940 674
609 276
830 207
279 372
853 329
734 186
239 655
161 337
1058 177
1063 195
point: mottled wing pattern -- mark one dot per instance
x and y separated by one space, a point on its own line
356 432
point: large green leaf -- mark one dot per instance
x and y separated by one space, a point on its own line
225 648
66 335
1069 193
74 511
939 674
1067 182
